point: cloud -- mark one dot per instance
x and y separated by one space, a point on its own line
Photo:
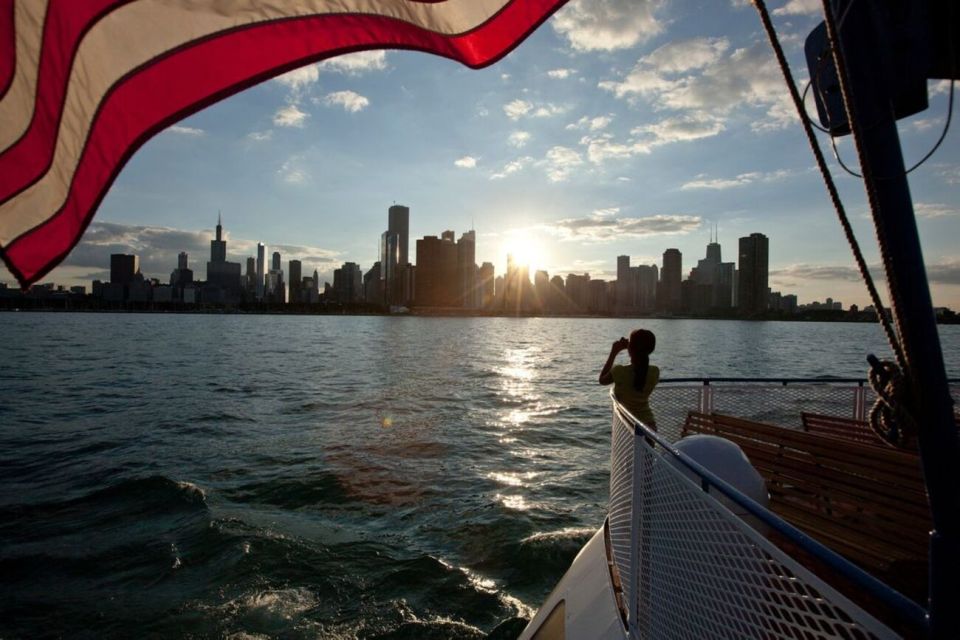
710 82
935 210
560 162
159 246
355 64
925 123
517 109
466 162
949 173
819 272
290 116
351 101
260 136
292 171
602 226
799 7
560 74
642 140
743 179
299 79
186 131
512 167
591 25
518 139
946 271
591 124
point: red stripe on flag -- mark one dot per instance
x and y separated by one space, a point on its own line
190 79
66 23
8 47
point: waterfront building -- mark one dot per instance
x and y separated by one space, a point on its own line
466 269
295 270
218 246
261 270
123 268
541 291
398 222
348 283
577 288
754 274
221 273
487 282
668 289
624 285
182 275
436 279
373 285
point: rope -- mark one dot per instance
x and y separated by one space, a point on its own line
831 186
889 417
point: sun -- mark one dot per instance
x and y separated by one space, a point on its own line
525 249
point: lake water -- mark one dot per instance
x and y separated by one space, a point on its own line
253 476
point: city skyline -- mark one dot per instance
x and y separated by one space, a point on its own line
619 129
444 274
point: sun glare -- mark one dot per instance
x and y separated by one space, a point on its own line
525 250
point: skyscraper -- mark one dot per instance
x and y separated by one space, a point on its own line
276 261
261 268
123 268
398 222
218 246
625 293
754 268
436 272
487 275
668 291
295 267
390 266
220 273
182 260
466 268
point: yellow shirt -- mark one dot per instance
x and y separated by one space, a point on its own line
636 402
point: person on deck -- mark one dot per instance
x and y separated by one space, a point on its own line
633 384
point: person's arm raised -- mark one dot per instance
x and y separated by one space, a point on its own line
606 376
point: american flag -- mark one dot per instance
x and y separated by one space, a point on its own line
84 83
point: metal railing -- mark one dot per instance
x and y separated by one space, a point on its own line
690 567
777 401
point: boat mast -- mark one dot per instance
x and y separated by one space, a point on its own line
863 56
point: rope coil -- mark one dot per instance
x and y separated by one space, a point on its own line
890 418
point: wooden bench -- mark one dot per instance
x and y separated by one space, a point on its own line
867 503
844 428
847 428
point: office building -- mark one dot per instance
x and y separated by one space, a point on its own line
466 269
754 274
487 283
671 274
123 268
348 283
261 270
220 273
436 284
295 271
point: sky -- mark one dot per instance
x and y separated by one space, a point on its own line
620 127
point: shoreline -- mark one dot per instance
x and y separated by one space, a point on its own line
67 306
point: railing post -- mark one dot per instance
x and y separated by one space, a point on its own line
633 585
706 397
859 402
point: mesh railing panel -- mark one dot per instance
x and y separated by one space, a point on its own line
704 573
671 403
781 404
620 516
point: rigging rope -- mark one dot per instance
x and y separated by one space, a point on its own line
831 186
887 378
